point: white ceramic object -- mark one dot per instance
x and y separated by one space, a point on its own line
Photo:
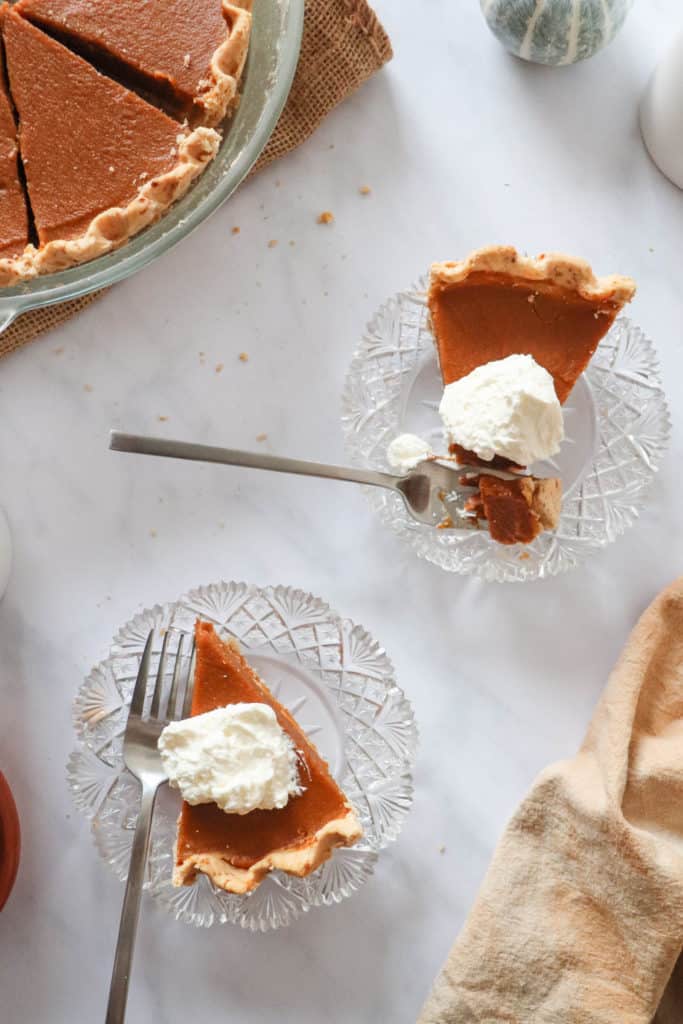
5 552
661 114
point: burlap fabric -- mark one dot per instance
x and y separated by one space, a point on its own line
580 917
343 45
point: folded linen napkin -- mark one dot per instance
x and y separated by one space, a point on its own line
580 917
343 44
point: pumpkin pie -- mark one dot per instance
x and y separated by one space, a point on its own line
237 851
14 222
516 511
188 54
100 162
498 303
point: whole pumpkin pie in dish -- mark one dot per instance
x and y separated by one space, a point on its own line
237 851
100 162
498 303
188 54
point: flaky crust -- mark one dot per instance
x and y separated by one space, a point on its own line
111 228
552 268
295 860
218 92
544 497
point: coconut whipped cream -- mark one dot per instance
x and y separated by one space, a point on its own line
238 757
507 407
406 451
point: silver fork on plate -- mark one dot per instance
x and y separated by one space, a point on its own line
431 491
142 759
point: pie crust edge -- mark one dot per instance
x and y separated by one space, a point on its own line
568 272
227 64
299 861
111 228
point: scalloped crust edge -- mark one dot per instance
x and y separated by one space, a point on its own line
111 228
567 272
295 860
219 90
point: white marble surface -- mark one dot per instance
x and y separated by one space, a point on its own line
462 146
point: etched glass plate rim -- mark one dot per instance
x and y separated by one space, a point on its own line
110 800
384 361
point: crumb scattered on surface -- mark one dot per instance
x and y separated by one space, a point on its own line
261 437
292 242
58 351
442 848
331 145
236 230
244 357
87 387
326 217
272 243
219 367
162 419
523 555
111 168
651 249
446 524
152 533
186 60
365 190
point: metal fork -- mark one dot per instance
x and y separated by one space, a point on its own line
142 759
430 492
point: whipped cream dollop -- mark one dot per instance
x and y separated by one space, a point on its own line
507 407
406 451
238 757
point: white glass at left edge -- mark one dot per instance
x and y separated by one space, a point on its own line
5 552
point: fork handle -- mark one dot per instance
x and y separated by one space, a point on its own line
140 445
118 990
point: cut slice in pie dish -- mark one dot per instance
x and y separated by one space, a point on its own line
237 851
498 303
100 163
187 53
14 222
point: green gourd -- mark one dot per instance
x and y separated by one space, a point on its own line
555 31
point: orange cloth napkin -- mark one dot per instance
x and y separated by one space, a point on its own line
343 44
580 917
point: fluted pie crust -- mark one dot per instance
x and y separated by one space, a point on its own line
219 94
237 851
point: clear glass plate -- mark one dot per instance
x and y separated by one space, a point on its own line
617 429
328 671
273 55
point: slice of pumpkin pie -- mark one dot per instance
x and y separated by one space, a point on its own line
497 303
100 163
14 222
187 53
237 851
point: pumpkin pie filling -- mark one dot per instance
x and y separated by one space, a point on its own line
235 850
14 219
188 54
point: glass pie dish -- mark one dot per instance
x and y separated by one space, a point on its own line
616 425
330 673
271 63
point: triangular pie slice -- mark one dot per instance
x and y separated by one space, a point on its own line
14 221
498 303
188 53
237 851
100 163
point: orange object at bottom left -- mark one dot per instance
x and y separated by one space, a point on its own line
10 841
